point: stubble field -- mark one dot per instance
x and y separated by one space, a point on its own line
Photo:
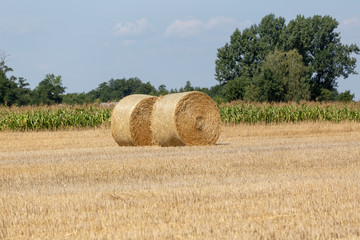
285 181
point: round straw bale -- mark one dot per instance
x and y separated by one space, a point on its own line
131 120
189 118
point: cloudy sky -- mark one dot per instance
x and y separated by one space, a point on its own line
167 42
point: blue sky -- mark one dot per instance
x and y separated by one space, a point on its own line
161 41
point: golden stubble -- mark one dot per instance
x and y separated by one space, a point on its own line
288 181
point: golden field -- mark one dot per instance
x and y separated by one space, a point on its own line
286 181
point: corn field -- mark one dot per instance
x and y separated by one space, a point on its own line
91 116
53 118
289 113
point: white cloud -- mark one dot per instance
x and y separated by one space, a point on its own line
355 21
194 27
219 22
184 28
136 28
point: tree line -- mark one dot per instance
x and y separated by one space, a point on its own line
16 91
116 89
270 61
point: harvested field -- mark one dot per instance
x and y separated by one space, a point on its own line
287 181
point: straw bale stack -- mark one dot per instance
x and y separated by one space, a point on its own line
189 118
131 120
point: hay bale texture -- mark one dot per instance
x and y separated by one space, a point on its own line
189 118
131 120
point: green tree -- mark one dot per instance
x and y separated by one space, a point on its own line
162 90
76 98
247 49
283 77
23 93
270 85
49 91
271 34
345 96
116 89
104 93
315 38
188 87
146 88
227 67
327 95
251 93
235 89
323 53
214 91
12 89
7 85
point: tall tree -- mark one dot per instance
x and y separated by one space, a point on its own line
236 89
226 65
162 90
246 50
315 38
23 92
7 86
49 90
12 89
283 77
271 34
323 53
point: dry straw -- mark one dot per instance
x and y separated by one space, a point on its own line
189 118
131 120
